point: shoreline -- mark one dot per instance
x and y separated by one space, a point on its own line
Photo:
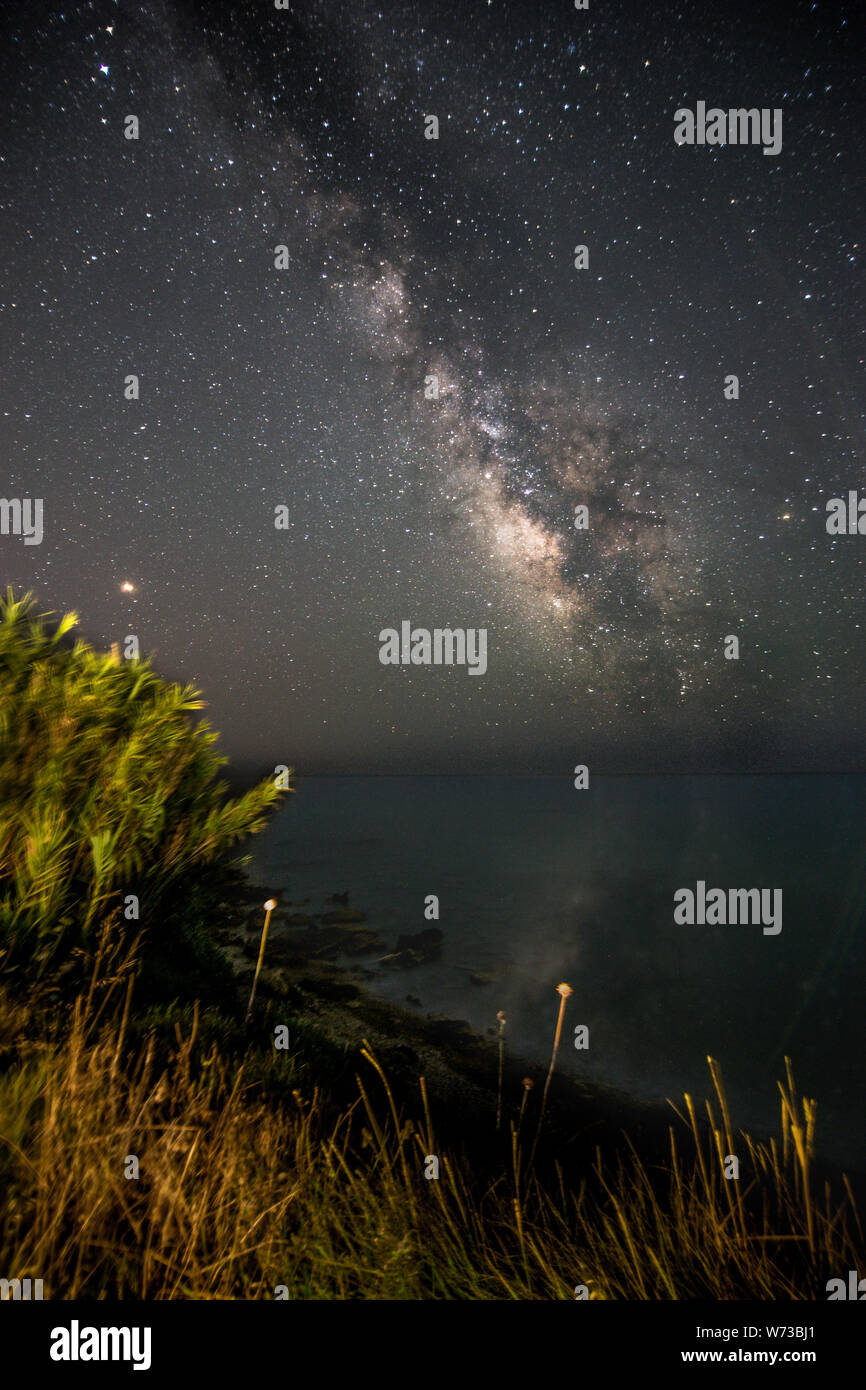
316 971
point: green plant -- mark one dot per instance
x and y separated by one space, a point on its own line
109 793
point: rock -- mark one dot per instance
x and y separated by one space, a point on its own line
329 953
478 977
401 960
300 919
361 943
342 916
420 941
413 999
251 894
335 991
414 949
322 943
342 899
453 1032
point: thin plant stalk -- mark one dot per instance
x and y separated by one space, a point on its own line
528 1084
502 1021
269 907
563 991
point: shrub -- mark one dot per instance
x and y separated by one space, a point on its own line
108 787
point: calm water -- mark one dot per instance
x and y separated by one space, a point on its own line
539 883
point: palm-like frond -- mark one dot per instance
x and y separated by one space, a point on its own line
107 784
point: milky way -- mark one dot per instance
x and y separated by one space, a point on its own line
410 259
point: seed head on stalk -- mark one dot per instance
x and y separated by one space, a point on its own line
269 907
502 1022
564 991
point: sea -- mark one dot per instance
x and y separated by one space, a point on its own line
539 883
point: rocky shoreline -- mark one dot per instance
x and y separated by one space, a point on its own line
317 966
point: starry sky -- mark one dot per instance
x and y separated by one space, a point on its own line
407 258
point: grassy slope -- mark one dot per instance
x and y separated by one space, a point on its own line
255 1172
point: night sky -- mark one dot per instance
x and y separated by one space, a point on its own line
559 387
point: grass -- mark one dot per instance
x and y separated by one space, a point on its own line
250 1179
